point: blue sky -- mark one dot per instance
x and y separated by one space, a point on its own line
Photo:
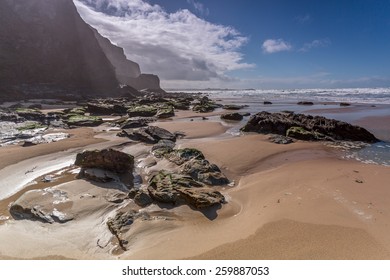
251 43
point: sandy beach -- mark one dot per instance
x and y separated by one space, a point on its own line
296 201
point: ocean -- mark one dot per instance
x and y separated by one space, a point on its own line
370 108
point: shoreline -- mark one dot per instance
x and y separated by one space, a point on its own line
285 202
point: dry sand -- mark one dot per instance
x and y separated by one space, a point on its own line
297 201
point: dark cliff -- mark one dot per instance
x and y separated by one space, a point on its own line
47 50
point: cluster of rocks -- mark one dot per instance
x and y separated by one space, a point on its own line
306 127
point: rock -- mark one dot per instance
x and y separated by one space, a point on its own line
180 104
232 116
143 199
107 159
344 104
28 143
162 147
30 114
117 197
35 106
165 112
201 170
136 122
232 107
305 103
10 117
202 198
100 109
74 111
267 102
320 128
178 189
180 156
280 139
120 223
41 205
205 105
81 120
302 134
142 111
98 175
150 134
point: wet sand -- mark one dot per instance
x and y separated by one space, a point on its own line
296 201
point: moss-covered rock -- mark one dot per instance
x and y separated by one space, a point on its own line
165 112
203 171
142 111
181 156
31 126
82 120
179 189
302 134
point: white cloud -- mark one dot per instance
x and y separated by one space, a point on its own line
315 44
303 18
275 45
199 7
176 46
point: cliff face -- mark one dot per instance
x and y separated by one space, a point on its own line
47 49
127 72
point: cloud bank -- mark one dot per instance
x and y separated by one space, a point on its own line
275 45
176 46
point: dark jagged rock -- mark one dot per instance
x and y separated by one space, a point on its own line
179 189
35 106
180 103
232 107
203 171
100 109
267 102
30 114
107 159
305 103
204 105
232 116
140 197
10 117
150 134
320 128
136 122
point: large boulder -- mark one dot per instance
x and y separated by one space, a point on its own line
320 128
179 189
107 159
